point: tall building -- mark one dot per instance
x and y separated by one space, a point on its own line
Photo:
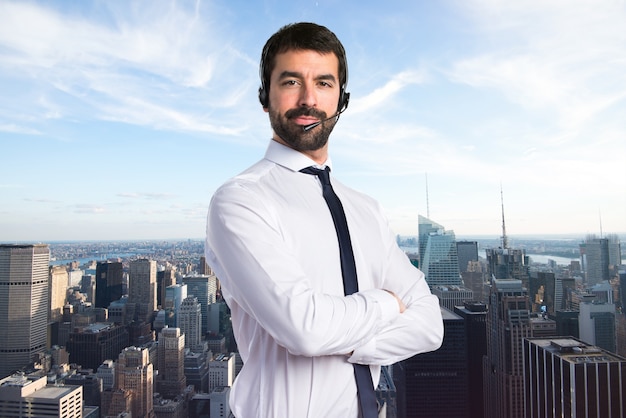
90 345
474 316
106 373
542 289
563 287
467 252
596 323
451 296
508 323
57 292
26 396
174 296
565 377
219 405
109 283
615 252
221 371
508 263
171 380
435 384
189 321
166 276
88 287
23 304
134 373
142 288
438 254
197 371
594 253
205 289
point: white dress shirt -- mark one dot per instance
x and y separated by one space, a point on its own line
272 244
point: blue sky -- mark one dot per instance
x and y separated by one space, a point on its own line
119 119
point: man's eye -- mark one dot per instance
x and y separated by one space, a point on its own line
290 83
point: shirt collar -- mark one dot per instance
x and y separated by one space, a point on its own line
290 158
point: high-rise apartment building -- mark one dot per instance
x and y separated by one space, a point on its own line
205 289
171 380
435 384
23 304
109 283
26 396
508 323
474 316
594 253
142 288
438 254
134 373
189 321
565 377
467 252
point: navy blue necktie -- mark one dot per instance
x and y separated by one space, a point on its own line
364 384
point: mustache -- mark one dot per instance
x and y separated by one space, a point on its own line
305 111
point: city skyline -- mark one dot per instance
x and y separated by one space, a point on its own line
119 121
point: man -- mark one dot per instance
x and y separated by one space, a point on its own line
272 242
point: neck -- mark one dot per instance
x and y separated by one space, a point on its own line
319 155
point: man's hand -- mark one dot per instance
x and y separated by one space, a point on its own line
400 303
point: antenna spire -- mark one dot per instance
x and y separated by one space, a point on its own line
427 204
600 214
505 240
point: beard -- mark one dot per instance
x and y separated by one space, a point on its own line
294 135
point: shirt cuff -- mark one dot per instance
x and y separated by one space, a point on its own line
389 310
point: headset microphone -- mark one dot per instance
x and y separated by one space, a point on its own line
307 128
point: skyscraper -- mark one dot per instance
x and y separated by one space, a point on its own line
474 316
596 324
57 292
467 252
166 276
174 296
508 322
109 277
142 288
594 253
189 321
565 377
23 304
205 289
435 384
171 359
508 263
438 254
134 373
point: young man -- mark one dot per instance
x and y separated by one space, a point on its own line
274 246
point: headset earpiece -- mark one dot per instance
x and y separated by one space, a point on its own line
263 98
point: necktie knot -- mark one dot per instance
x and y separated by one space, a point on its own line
323 175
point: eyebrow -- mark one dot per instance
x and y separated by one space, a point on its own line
295 74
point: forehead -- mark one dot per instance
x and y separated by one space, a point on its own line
306 62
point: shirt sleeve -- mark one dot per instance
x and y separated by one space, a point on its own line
419 328
263 277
